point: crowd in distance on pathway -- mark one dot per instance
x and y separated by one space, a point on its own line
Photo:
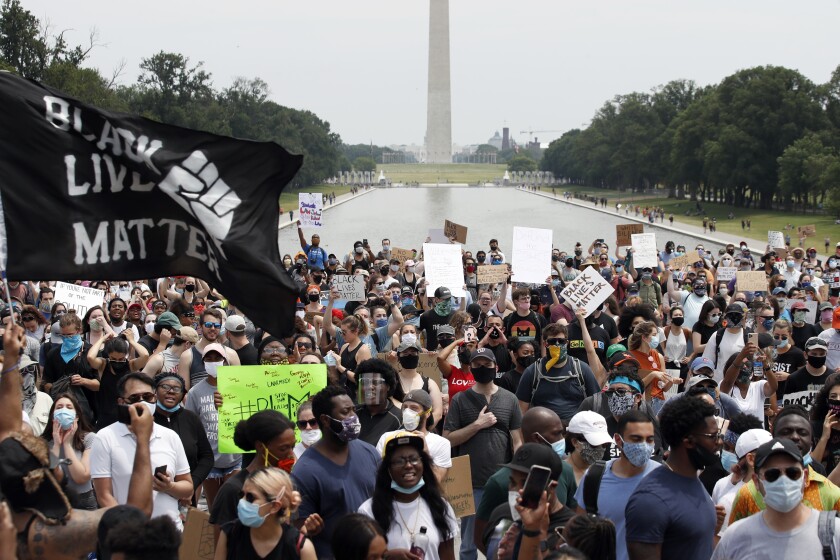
684 417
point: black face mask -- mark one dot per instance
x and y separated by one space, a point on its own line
678 321
525 361
483 374
445 341
409 361
481 258
816 361
190 287
701 457
731 251
314 297
494 333
733 320
578 252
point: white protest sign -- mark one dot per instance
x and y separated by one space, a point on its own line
443 267
437 236
804 398
776 240
589 290
811 306
531 255
726 273
644 250
310 208
78 297
350 287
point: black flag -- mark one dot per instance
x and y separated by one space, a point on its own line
90 194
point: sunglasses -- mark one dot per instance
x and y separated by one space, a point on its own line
188 314
304 345
249 497
780 337
211 325
136 398
28 317
620 392
793 473
303 424
556 341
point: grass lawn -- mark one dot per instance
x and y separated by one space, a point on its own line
762 220
289 198
444 172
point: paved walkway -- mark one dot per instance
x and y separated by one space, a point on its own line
339 200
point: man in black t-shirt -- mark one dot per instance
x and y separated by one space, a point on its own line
607 323
438 315
801 330
811 377
524 323
789 358
235 328
496 341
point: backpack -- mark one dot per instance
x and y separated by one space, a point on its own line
592 486
719 337
577 373
825 530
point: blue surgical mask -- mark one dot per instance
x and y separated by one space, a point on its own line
412 490
807 459
65 417
558 446
654 342
783 494
383 322
728 460
163 407
249 514
619 269
407 301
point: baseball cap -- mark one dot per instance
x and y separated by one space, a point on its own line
619 358
697 379
613 348
554 272
168 319
751 440
235 324
409 262
483 353
215 347
798 305
406 345
55 333
409 310
407 290
189 334
421 397
363 272
825 305
443 293
398 439
633 288
135 304
531 454
816 342
445 329
775 446
590 425
777 291
700 363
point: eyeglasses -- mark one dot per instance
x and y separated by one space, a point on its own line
401 462
714 315
136 398
303 424
793 473
28 317
188 314
556 341
717 436
211 325
174 389
766 316
274 350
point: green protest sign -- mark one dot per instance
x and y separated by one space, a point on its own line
247 390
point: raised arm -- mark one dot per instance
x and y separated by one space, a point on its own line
591 356
301 237
11 387
397 319
442 359
93 358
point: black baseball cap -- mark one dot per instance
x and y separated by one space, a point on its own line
443 293
774 446
531 454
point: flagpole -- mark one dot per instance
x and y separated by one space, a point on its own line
4 255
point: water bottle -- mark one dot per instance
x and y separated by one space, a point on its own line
758 366
420 543
329 359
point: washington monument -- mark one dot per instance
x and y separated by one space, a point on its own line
439 112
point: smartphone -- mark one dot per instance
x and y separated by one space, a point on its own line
364 242
469 334
123 414
753 338
535 485
160 470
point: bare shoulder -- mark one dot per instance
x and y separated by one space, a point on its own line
71 541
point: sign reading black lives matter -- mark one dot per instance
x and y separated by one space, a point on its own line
123 197
588 290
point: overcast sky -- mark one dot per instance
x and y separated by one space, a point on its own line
533 64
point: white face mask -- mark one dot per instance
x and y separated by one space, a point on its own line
408 338
212 368
300 314
310 437
151 407
150 328
411 420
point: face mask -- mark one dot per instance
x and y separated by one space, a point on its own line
700 291
789 264
443 307
826 316
494 334
382 322
287 262
647 276
555 283
385 247
411 490
513 496
726 262
557 355
804 285
832 264
783 494
149 327
768 324
359 250
395 268
310 437
484 374
249 514
161 406
95 325
701 457
151 407
637 453
525 361
588 453
654 342
523 305
733 320
678 321
799 316
350 428
409 361
782 343
619 269
816 362
410 269
620 404
212 368
313 298
45 306
411 420
408 338
65 417
71 345
728 460
745 375
723 290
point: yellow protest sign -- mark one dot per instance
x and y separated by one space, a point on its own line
247 390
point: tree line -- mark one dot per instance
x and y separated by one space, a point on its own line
169 89
764 137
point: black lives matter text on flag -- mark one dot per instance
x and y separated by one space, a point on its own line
91 194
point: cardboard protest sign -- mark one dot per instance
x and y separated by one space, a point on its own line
823 292
492 273
426 366
402 255
247 390
776 240
455 231
443 267
531 254
457 487
589 290
691 257
807 231
726 273
624 231
309 316
310 209
810 306
198 540
350 286
78 297
644 250
755 281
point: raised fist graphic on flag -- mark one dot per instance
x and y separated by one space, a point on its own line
196 186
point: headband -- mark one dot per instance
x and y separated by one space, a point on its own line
626 381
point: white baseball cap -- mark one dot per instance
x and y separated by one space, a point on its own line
751 440
592 426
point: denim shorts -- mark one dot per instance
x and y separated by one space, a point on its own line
221 473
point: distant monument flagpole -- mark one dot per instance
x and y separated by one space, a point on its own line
439 111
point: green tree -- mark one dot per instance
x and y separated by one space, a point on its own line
486 149
522 163
364 164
